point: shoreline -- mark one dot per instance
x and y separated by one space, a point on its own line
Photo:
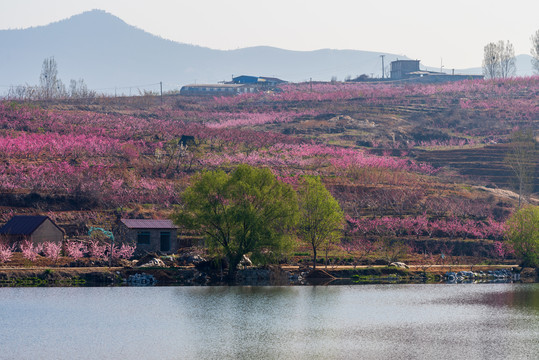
263 276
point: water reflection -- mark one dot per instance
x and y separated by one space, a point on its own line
523 298
334 322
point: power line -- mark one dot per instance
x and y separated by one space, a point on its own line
126 87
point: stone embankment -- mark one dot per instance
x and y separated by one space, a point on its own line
265 276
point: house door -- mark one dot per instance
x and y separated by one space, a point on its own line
165 241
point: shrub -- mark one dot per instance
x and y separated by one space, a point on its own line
523 234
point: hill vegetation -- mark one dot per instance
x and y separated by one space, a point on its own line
420 165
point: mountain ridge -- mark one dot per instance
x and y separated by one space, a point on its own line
108 53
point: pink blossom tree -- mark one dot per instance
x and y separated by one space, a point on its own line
97 250
123 252
6 252
29 250
52 250
75 249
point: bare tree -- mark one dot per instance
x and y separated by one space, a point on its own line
79 90
51 86
521 159
490 61
506 54
499 60
535 51
23 92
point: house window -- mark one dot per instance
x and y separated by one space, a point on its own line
143 237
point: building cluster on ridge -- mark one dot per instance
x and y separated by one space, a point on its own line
239 85
408 70
401 70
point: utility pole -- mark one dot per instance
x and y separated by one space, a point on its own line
382 56
161 87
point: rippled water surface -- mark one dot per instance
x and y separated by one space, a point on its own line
491 321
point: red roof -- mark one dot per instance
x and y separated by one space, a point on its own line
148 224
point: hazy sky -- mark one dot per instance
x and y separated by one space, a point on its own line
429 30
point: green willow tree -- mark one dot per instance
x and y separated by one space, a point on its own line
523 234
321 218
246 211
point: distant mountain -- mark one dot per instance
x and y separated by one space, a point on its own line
110 54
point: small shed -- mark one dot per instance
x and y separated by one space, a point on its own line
152 235
35 228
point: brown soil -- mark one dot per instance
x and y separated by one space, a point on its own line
486 163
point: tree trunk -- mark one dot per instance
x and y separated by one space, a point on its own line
314 257
520 193
233 263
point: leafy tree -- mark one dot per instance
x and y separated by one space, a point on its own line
321 217
523 234
246 211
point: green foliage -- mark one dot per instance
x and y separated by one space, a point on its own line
523 233
321 217
246 211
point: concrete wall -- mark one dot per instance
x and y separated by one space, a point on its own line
155 240
47 231
400 68
431 79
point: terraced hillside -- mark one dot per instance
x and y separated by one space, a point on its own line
484 164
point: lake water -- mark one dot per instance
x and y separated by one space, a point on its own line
487 321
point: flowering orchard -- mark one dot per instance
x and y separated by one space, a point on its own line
74 250
362 139
127 159
452 228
